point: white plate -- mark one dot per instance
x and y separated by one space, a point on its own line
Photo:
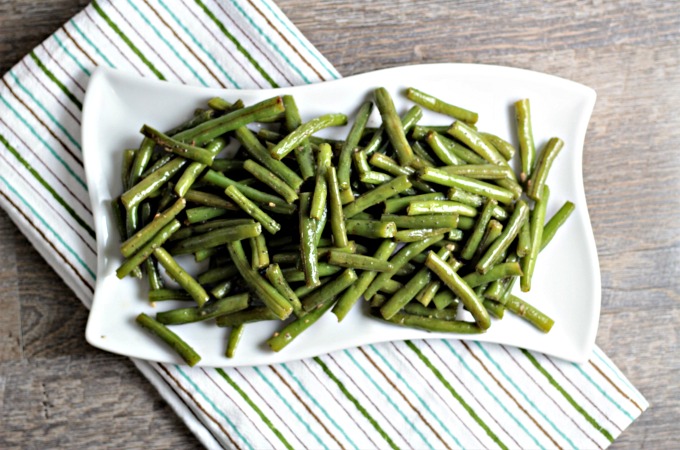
566 284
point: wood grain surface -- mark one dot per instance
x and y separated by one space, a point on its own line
57 392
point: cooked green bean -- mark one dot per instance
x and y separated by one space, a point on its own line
262 156
215 238
434 104
524 240
177 273
179 148
141 160
536 223
540 174
418 234
444 299
276 278
235 336
422 221
221 290
402 257
329 290
267 177
252 209
207 131
495 309
207 199
250 315
393 205
510 232
210 310
468 184
377 195
556 222
504 147
440 207
320 195
351 143
393 168
308 241
371 228
295 137
359 262
393 126
527 150
432 324
266 201
218 274
264 291
199 117
184 350
497 272
194 169
480 171
408 121
131 245
443 151
456 149
337 218
478 232
303 152
529 313
147 249
420 310
152 182
204 213
161 295
405 295
356 290
469 298
284 337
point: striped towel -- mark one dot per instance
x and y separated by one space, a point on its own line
424 394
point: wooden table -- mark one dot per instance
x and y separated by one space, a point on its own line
59 392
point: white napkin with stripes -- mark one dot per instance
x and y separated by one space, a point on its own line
421 394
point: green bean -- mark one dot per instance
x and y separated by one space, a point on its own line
426 294
422 221
359 262
142 157
267 177
529 313
390 166
308 241
504 147
337 218
292 274
226 165
419 132
440 207
468 184
393 126
444 299
219 104
351 143
391 287
221 290
404 255
556 222
371 228
303 152
527 150
161 295
177 273
179 148
276 278
216 238
346 195
536 223
475 238
420 310
203 213
524 240
126 166
540 174
204 253
153 275
252 209
356 290
377 195
218 274
493 230
158 163
408 121
264 291
458 151
329 290
185 351
147 249
418 234
437 105
376 178
321 186
480 171
469 298
442 150
250 315
210 310
207 131
432 324
194 169
262 156
235 336
510 232
295 137
495 309
405 295
463 196
152 182
131 245
361 163
284 337
199 117
207 199
393 205
266 201
497 272
424 159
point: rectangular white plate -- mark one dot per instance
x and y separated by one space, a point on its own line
566 284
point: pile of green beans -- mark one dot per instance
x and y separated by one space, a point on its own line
422 221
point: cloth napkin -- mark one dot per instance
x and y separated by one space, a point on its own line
420 394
